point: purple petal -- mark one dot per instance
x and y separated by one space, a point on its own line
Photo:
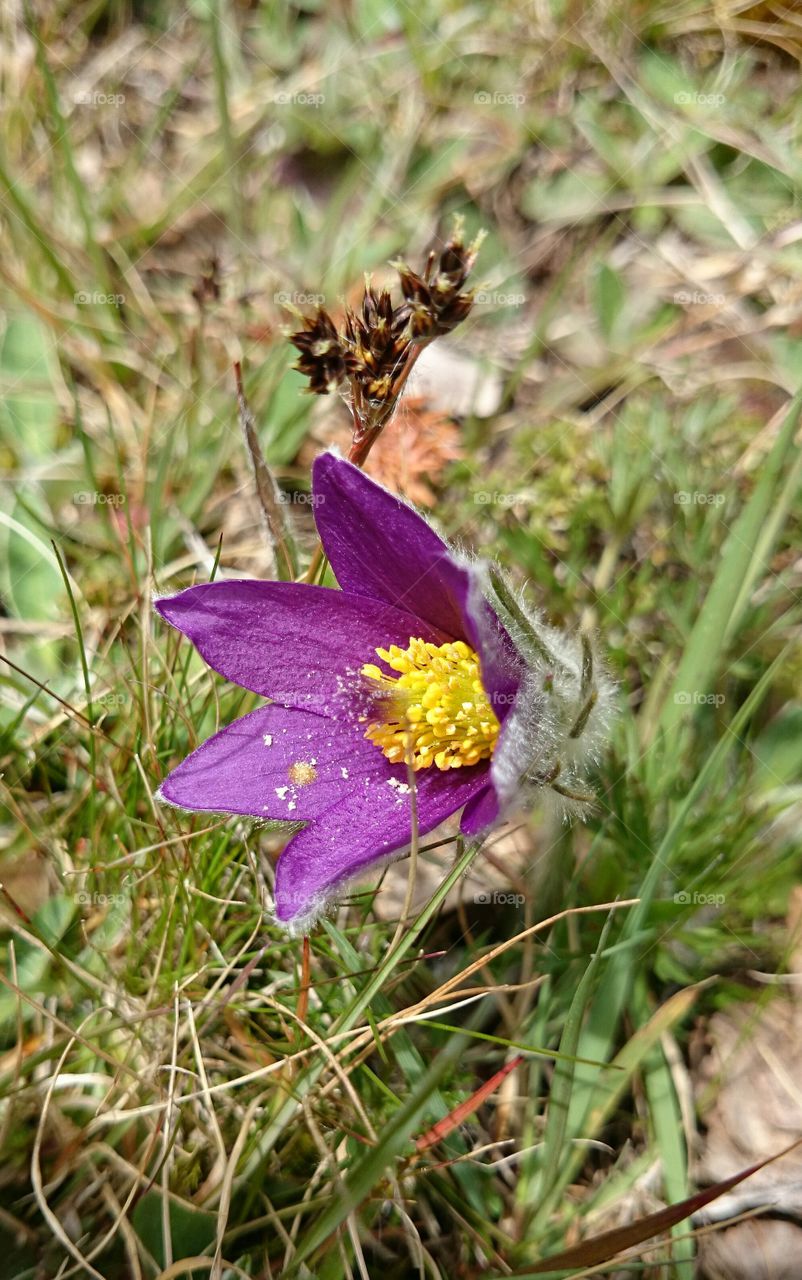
501 665
380 547
480 813
371 822
359 805
251 766
299 645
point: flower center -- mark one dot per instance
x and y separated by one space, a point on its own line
436 711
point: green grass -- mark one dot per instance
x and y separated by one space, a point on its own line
163 1094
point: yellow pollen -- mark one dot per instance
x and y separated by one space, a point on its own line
302 773
436 711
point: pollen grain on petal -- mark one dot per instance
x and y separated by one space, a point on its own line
302 772
436 711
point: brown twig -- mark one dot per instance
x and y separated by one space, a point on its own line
266 488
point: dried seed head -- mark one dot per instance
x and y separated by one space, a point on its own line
322 358
370 360
436 301
376 346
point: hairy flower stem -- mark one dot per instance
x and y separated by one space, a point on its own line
578 797
578 726
587 692
521 624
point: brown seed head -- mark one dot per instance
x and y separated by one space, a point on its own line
436 300
322 359
377 344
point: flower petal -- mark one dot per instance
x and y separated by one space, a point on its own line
294 643
380 547
368 825
278 763
283 764
480 813
359 806
502 667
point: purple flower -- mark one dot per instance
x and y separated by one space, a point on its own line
407 665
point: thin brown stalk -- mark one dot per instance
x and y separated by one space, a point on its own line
266 488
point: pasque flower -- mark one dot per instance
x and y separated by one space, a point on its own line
419 680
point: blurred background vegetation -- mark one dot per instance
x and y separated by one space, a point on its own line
611 423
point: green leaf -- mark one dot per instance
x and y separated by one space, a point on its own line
745 554
562 1082
615 987
191 1230
610 296
573 196
28 406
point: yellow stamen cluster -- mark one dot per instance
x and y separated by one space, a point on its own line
436 712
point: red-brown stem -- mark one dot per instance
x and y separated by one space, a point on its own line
455 1117
362 444
303 994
